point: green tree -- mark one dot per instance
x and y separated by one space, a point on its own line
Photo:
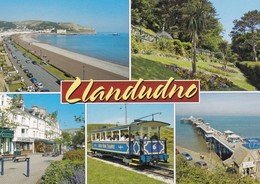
223 47
248 25
195 16
78 139
8 115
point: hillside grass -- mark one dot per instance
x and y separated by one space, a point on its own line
166 132
152 67
100 172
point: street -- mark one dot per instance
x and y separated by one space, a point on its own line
49 81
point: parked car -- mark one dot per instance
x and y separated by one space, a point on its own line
34 80
187 156
45 90
201 164
22 66
27 61
34 62
39 85
30 75
26 71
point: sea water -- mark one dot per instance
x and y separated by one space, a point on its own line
102 46
244 126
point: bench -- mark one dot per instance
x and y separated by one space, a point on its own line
55 154
18 158
46 154
8 156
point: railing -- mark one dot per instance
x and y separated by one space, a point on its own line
142 35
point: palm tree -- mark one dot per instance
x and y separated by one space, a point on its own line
195 17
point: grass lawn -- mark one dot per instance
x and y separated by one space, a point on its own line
50 68
151 67
100 172
14 87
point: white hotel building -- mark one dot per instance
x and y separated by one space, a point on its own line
36 130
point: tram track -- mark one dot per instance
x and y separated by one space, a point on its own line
158 172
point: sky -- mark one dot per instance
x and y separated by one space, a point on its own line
229 10
102 15
115 113
223 104
51 102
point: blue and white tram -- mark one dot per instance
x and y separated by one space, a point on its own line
136 144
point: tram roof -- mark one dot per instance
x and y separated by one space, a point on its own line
133 125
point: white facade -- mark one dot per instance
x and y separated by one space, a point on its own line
61 31
35 132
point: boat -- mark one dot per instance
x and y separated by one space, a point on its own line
116 34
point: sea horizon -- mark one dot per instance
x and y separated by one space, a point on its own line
102 45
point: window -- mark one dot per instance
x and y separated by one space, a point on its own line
23 130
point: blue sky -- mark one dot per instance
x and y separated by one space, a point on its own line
113 113
103 15
52 103
229 10
228 104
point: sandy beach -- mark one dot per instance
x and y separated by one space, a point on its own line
73 63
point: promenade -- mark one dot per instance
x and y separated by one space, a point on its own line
16 172
72 63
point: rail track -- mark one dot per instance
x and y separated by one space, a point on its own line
165 174
160 171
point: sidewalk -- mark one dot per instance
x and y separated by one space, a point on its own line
15 172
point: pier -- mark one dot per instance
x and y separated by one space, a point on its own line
243 154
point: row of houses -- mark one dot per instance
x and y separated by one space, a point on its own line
34 129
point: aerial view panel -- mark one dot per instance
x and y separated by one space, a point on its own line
85 39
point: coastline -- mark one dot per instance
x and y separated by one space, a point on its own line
73 63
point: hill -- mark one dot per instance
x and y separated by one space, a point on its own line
7 25
43 25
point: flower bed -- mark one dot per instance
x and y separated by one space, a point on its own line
224 69
208 81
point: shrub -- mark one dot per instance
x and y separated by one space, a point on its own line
218 55
62 171
74 155
207 81
252 71
135 46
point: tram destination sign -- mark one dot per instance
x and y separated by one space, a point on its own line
91 91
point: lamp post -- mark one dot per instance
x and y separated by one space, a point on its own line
83 72
125 113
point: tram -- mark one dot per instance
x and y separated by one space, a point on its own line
138 143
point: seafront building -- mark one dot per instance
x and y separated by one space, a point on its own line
35 129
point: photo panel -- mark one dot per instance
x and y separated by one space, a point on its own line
130 143
41 140
84 39
218 137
